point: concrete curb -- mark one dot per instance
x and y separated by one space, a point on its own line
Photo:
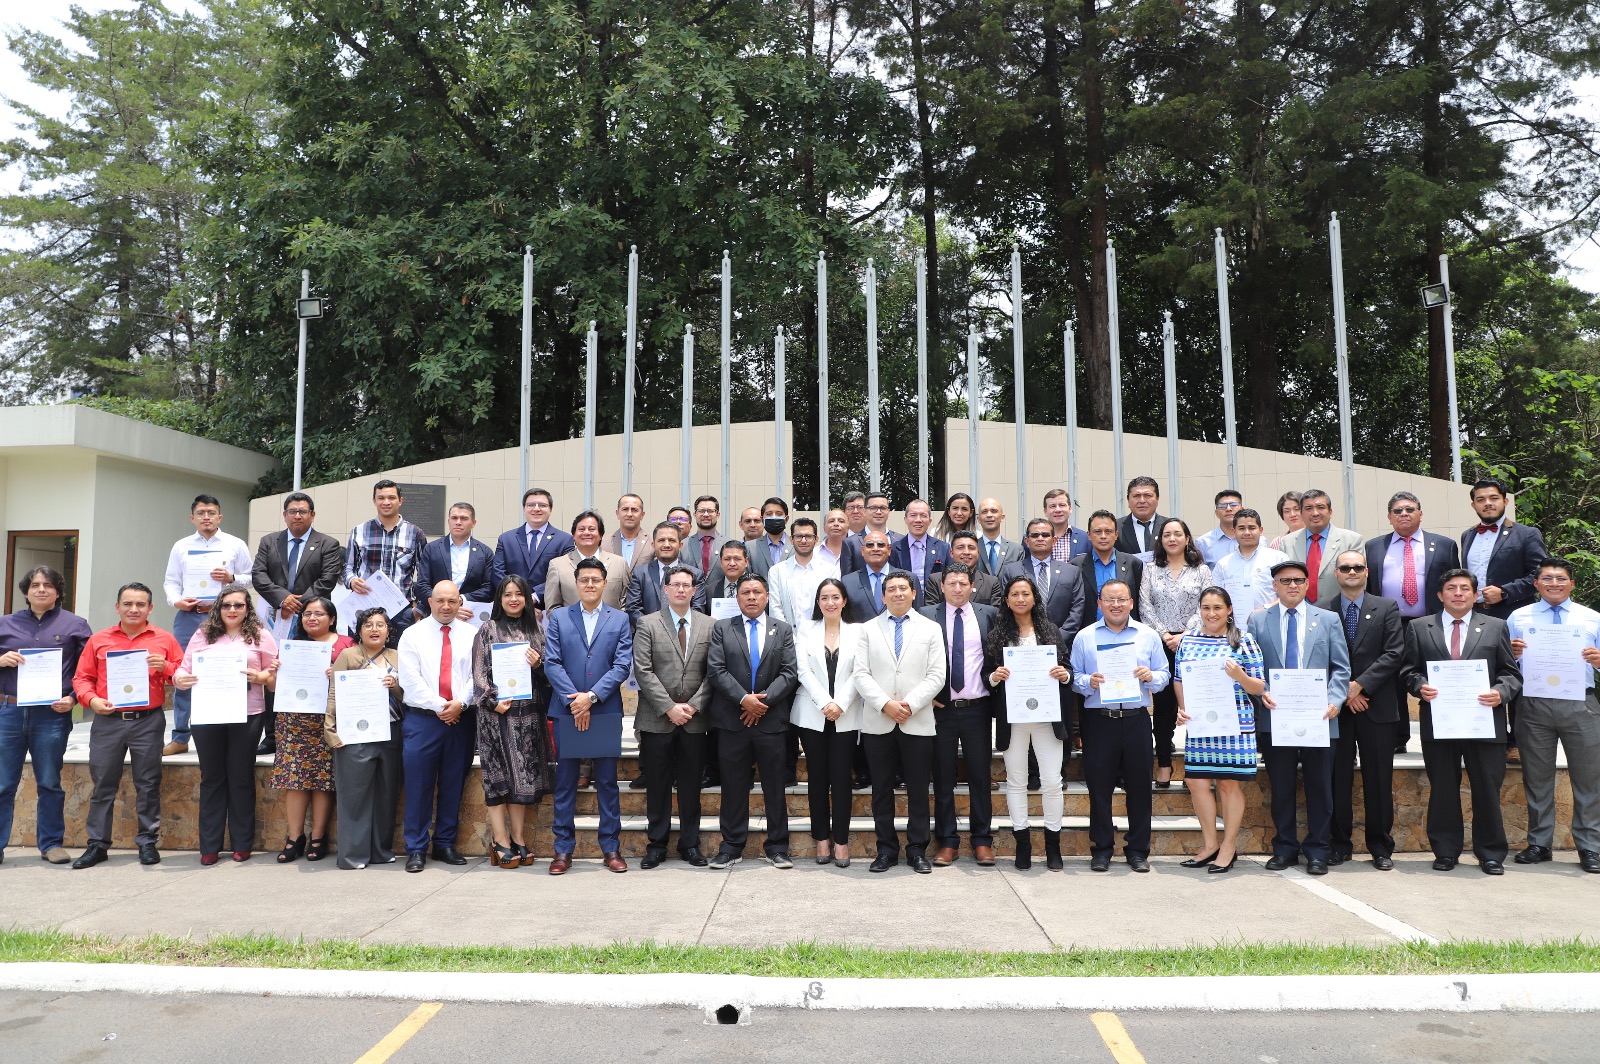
1367 993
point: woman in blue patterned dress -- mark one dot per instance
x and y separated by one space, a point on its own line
1221 761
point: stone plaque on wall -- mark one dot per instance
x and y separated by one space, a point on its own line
425 506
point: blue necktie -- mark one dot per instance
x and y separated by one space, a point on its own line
1291 639
877 590
899 634
994 560
755 651
1351 615
1555 611
958 653
294 559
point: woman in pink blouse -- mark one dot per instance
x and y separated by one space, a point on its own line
227 752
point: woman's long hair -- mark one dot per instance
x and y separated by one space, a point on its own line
816 600
1004 632
1235 637
1191 553
249 628
946 528
527 624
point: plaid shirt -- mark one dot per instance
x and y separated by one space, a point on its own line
1061 549
396 553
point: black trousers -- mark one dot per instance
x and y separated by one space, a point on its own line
911 757
1117 749
677 757
1165 715
1285 764
1376 741
739 753
971 728
227 754
1486 771
829 755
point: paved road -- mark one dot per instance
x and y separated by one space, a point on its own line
54 1028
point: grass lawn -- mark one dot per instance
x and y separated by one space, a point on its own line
808 959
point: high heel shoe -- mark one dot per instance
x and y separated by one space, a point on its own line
317 849
1200 862
524 855
1218 869
504 856
841 856
292 849
1166 783
824 855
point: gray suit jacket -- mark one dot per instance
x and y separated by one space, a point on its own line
667 675
1337 542
1007 551
1325 648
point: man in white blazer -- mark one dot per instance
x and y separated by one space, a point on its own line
1318 543
899 668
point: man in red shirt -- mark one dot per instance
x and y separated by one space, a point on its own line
126 730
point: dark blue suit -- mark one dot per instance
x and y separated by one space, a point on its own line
1513 563
573 664
863 605
644 591
850 558
511 556
934 558
434 566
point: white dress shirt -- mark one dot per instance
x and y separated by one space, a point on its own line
794 587
460 555
421 650
1248 581
236 559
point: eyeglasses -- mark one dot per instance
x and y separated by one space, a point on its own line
231 606
1290 581
300 512
1040 535
1352 568
207 513
1229 505
1555 578
1403 510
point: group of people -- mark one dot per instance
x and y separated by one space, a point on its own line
885 655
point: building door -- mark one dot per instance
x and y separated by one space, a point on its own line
24 550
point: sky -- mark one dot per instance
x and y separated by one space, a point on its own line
1582 262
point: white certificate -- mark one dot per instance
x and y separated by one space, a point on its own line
1209 699
480 613
382 593
513 676
1033 696
1552 662
724 607
1115 663
221 696
39 677
1302 698
128 678
1457 713
303 676
361 706
198 583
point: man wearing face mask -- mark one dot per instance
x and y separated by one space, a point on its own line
773 545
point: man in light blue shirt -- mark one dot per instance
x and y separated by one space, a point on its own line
1246 570
1118 741
1220 541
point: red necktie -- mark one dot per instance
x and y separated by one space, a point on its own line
705 553
1314 563
1455 640
446 665
1408 586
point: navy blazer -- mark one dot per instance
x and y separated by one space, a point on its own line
934 558
572 665
1325 648
511 556
1442 556
1513 564
850 558
861 605
1064 606
434 566
644 591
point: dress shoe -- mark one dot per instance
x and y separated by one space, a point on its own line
984 855
415 861
919 864
693 856
241 856
945 857
1589 860
1278 864
268 745
1138 862
724 858
1512 756
91 857
55 855
1534 855
1383 862
207 860
1443 864
883 862
1034 783
636 784
1200 862
558 864
1316 868
1492 868
1338 857
174 748
779 860
1100 862
148 854
653 858
1218 869
447 855
614 861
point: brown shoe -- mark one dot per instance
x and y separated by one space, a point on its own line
1512 756
56 855
560 863
174 748
984 855
614 861
945 857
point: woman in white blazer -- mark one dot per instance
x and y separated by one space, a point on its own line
827 710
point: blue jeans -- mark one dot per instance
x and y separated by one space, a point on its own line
41 733
184 625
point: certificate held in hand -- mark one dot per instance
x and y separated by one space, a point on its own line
303 676
1456 713
1300 718
1033 696
1115 663
1208 699
360 706
222 694
128 678
513 676
198 583
39 677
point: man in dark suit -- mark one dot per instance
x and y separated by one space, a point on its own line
771 545
963 716
754 675
877 521
1502 555
864 587
529 548
1370 717
964 549
644 590
921 555
1102 562
1060 583
1140 532
995 551
588 653
459 558
1460 634
1070 541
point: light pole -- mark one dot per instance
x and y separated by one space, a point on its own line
1438 295
305 309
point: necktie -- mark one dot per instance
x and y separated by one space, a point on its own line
1044 579
916 559
683 635
533 537
1145 525
1455 639
958 654
294 558
446 666
899 634
705 554
1555 611
755 650
1351 616
877 589
994 560
1313 563
1291 643
1408 585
